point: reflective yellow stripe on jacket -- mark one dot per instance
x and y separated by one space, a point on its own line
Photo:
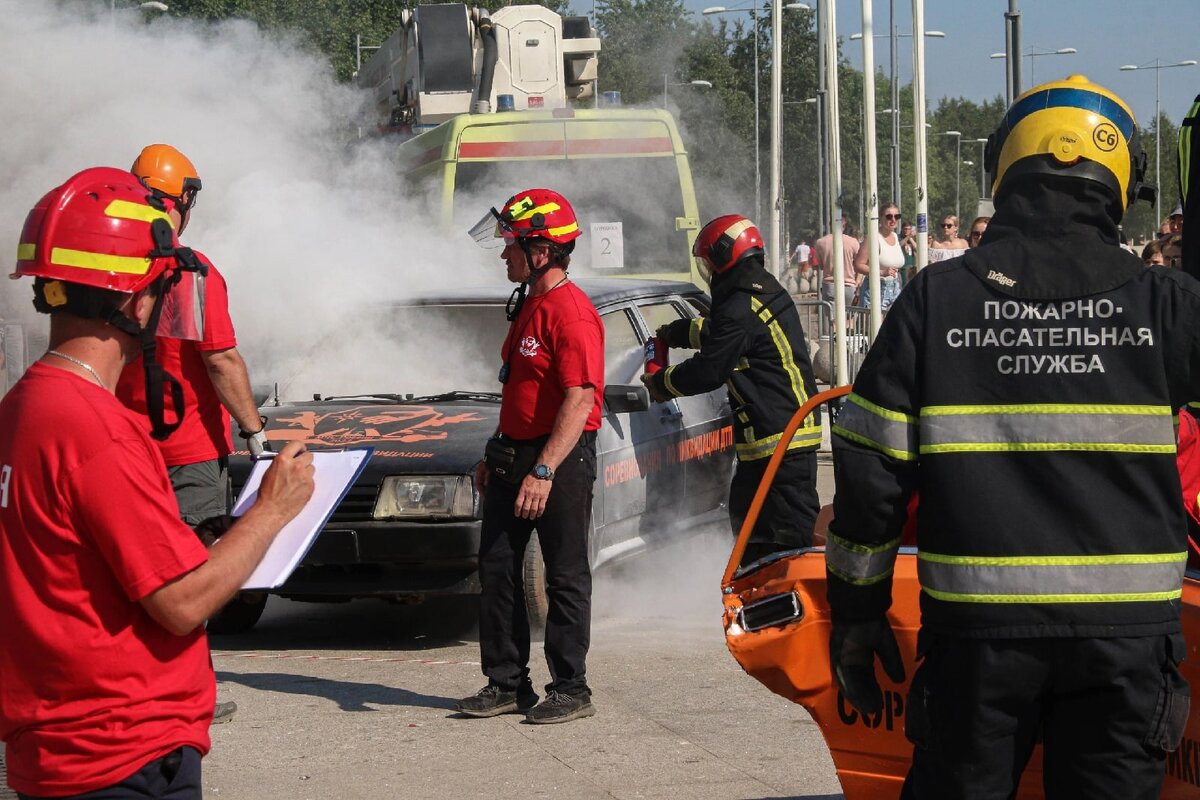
755 449
859 564
890 432
1047 427
1029 427
1129 578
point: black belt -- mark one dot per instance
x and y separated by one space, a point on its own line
585 438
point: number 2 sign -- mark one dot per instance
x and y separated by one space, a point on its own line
607 245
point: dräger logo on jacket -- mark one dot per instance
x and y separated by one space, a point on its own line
1000 278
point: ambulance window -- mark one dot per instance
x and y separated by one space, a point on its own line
658 314
623 353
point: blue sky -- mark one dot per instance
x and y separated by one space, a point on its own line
1107 34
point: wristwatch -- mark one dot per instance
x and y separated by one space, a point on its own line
542 473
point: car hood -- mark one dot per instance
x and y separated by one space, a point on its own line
409 437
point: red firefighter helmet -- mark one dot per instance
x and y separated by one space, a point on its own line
727 240
101 228
168 172
538 214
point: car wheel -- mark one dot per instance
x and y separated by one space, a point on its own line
533 571
239 614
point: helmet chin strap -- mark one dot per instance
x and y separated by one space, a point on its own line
156 376
517 299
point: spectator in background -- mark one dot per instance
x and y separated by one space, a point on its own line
978 226
950 239
891 260
1172 240
1152 254
823 253
908 243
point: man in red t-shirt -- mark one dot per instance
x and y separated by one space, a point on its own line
539 469
211 371
107 679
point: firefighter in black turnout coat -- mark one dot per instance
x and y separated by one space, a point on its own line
752 342
1026 393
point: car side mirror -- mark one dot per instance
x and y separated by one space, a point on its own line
622 399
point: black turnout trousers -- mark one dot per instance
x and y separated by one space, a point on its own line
791 507
1106 711
563 534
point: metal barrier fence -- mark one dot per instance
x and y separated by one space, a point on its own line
817 317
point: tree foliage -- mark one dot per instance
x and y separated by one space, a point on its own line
654 49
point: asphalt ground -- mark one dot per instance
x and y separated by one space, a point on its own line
356 700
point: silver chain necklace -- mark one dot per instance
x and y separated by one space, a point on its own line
79 363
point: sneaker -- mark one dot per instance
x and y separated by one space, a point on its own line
559 707
224 712
491 700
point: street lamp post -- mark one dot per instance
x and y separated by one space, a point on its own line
1032 54
757 130
151 5
1157 67
895 151
983 187
777 130
667 83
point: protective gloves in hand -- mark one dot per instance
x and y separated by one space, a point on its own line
257 442
852 651
656 394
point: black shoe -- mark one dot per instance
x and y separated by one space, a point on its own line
224 712
559 707
491 700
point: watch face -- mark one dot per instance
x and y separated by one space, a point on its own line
541 472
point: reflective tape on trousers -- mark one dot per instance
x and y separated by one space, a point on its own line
1052 579
857 563
1032 427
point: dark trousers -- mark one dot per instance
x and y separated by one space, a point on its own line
563 534
175 776
791 507
1107 711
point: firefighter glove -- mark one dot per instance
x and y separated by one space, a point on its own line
852 651
658 392
257 442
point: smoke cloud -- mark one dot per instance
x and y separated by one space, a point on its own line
308 228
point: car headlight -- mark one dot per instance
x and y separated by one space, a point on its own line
443 496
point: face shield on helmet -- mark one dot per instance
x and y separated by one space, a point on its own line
1071 127
532 214
724 242
103 229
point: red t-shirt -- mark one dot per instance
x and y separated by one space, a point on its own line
204 432
556 343
91 687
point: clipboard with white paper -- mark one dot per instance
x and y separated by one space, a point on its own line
335 471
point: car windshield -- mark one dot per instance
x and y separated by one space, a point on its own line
420 350
626 207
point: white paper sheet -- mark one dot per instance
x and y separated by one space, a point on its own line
335 472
